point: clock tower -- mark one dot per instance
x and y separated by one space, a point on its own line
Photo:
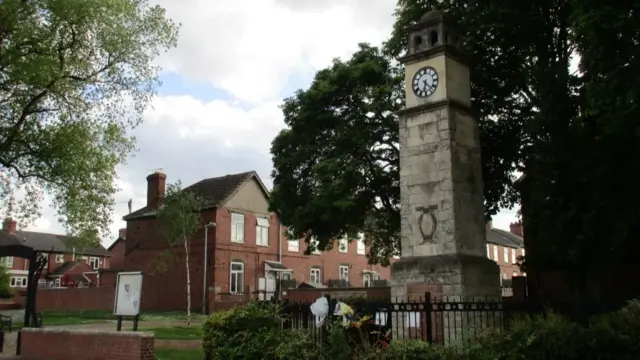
443 233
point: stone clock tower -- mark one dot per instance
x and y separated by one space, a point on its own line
443 236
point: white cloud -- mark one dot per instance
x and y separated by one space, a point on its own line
251 48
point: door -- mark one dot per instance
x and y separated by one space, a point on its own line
271 285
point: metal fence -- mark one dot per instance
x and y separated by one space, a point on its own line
441 321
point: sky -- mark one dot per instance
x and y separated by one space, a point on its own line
218 108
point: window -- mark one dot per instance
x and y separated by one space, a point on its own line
286 276
57 282
505 276
343 245
344 272
488 251
316 276
314 242
262 232
513 256
506 255
94 262
237 228
59 258
18 281
366 280
236 285
361 246
522 251
294 245
515 273
7 262
495 253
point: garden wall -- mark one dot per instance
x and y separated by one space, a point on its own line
65 344
75 299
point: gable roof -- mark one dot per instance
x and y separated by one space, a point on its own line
504 238
118 240
46 242
215 191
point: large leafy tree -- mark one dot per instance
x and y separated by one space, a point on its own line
74 77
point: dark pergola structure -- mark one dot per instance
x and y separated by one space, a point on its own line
12 246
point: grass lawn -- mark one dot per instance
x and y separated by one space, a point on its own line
177 333
174 354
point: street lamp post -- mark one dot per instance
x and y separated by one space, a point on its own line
206 266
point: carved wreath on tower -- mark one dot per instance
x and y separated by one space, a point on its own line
428 230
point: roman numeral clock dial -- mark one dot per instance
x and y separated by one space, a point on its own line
425 82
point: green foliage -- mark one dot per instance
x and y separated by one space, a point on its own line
5 288
179 215
336 164
76 76
254 332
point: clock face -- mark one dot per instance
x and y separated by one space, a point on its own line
425 82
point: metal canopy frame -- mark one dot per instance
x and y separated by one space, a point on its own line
37 262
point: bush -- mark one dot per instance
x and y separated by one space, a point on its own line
5 289
412 350
254 332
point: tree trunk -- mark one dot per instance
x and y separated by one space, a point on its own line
186 264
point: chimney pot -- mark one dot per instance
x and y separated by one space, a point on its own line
155 189
516 228
489 224
122 233
10 225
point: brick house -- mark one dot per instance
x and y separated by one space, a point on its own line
64 261
504 247
117 249
247 249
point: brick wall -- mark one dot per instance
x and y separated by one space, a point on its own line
75 299
64 344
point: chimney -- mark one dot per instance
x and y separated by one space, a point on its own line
155 188
489 224
10 225
516 228
122 233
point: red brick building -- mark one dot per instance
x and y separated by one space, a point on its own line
247 250
80 266
117 250
504 247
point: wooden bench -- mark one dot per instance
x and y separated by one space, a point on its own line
6 323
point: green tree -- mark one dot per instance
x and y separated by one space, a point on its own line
74 77
179 218
336 164
5 288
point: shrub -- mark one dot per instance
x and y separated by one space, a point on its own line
615 335
254 332
5 289
413 350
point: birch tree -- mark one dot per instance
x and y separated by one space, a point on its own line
179 218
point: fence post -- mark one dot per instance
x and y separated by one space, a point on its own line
427 313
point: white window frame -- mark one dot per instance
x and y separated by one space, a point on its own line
505 255
515 273
522 251
94 262
316 273
18 282
314 241
367 280
239 274
343 245
294 245
59 258
343 269
362 248
237 228
488 251
287 275
513 256
495 253
6 262
262 231
57 282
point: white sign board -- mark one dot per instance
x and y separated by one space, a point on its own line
128 293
